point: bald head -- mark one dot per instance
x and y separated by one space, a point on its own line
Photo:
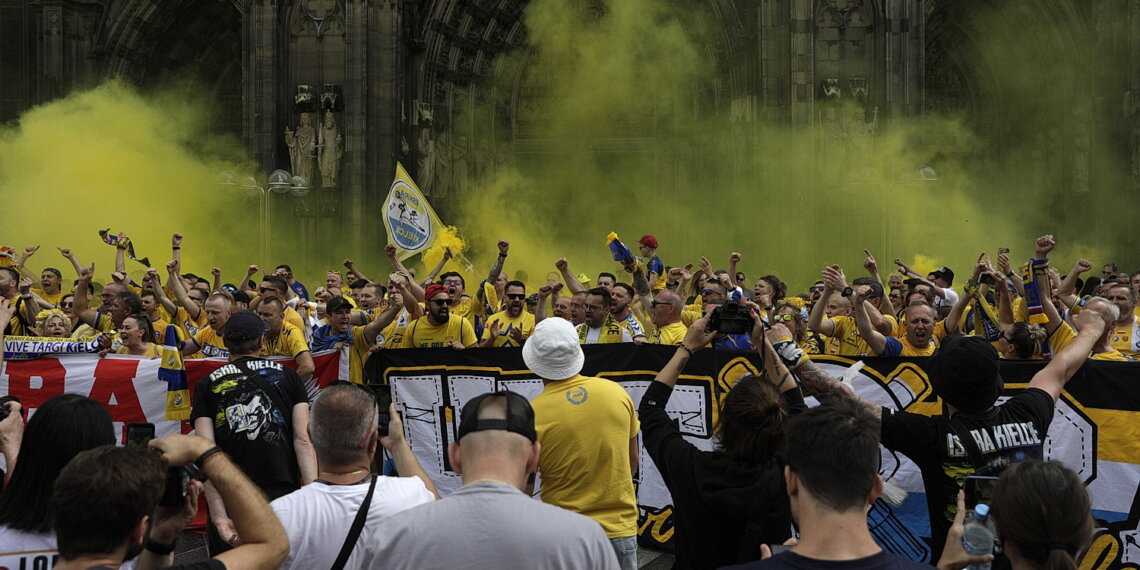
494 454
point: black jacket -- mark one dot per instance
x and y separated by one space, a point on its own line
714 496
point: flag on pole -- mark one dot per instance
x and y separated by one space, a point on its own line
411 223
174 374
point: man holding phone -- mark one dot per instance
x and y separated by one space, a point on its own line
344 423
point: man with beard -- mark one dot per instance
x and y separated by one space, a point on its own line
621 296
599 326
511 326
438 327
340 333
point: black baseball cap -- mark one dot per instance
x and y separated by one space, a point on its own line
520 416
243 326
337 303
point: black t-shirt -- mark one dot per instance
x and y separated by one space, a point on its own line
1010 432
253 426
881 561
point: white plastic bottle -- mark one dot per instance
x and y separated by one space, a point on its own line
978 537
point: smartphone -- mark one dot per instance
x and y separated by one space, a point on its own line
177 481
1003 250
979 489
139 434
987 279
384 401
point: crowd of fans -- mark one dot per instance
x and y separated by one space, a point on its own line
72 498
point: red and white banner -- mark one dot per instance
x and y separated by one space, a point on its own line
127 385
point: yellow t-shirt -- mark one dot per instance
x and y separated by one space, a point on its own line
1066 334
905 348
292 317
468 308
394 333
422 334
1122 338
289 342
210 344
103 322
155 351
358 353
190 326
845 339
584 425
524 321
49 297
671 334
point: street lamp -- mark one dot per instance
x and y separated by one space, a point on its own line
279 182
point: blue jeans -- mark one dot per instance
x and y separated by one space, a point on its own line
626 550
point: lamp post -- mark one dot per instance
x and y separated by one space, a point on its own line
279 182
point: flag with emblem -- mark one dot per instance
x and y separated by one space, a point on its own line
174 374
411 222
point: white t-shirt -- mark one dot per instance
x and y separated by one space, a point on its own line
19 549
317 517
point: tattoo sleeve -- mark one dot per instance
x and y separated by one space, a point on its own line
823 385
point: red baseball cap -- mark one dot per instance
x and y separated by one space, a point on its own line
648 240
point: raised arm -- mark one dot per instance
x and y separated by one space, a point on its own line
175 282
176 247
572 282
1061 368
1042 248
832 277
418 291
82 308
244 285
545 292
406 463
264 542
733 259
496 269
351 266
22 259
1067 291
382 320
972 293
875 339
872 267
66 253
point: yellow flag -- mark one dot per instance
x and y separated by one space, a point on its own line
411 223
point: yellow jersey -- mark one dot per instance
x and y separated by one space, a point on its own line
671 334
289 342
524 322
422 334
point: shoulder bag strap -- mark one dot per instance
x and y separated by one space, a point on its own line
357 526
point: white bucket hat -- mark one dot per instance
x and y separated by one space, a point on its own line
553 351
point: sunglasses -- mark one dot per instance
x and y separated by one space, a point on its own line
707 292
67 304
516 295
817 288
441 302
788 318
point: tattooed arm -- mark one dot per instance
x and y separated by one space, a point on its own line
823 385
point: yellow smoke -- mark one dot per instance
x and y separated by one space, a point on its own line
110 158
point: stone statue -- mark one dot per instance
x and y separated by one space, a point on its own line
332 149
301 144
425 161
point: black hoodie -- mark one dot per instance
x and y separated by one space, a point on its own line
714 496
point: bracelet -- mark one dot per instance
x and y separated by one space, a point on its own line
176 247
686 349
201 461
160 548
503 255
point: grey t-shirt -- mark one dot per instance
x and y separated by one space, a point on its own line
489 525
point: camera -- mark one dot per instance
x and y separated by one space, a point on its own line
177 480
4 410
731 318
987 279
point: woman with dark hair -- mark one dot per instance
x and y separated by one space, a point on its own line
60 429
696 287
137 333
1042 515
731 500
769 291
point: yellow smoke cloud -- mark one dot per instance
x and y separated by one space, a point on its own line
110 158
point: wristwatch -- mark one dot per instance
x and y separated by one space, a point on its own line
847 291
